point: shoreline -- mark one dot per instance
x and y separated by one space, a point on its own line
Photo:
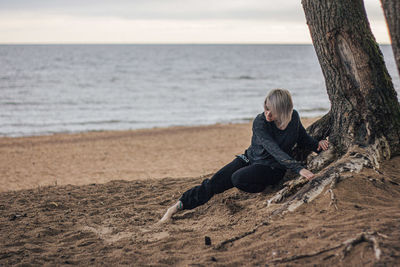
128 130
103 156
305 121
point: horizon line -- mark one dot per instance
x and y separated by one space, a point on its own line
166 43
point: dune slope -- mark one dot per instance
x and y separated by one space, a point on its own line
112 223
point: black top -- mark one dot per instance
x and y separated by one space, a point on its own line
271 146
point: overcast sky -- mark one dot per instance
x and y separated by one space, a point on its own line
162 21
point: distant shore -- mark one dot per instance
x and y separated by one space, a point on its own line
99 157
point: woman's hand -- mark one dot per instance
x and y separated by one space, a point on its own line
306 173
323 144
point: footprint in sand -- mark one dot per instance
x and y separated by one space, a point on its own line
158 236
107 234
153 233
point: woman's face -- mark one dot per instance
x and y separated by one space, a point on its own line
268 115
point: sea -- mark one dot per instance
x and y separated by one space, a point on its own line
49 89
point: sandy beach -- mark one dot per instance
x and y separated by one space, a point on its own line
100 157
93 198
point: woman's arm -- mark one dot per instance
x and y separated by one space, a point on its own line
262 134
306 141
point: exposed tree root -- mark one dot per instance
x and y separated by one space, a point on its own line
353 161
364 237
292 186
317 163
289 189
333 199
348 245
330 190
231 240
302 256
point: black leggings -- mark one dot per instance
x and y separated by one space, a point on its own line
249 178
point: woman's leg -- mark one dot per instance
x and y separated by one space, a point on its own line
255 178
220 182
200 194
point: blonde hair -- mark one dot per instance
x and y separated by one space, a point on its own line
279 102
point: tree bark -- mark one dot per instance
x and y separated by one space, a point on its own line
363 123
391 9
364 108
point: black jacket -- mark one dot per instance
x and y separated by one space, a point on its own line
271 146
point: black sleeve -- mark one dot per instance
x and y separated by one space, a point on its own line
261 131
306 141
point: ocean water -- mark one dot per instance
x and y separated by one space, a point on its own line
46 89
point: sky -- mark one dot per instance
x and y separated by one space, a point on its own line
163 21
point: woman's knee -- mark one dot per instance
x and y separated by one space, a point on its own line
239 181
242 181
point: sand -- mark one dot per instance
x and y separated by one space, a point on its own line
99 157
93 199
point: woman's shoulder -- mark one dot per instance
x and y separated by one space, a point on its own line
260 121
295 113
259 117
295 116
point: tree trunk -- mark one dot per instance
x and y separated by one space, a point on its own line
364 106
391 9
363 123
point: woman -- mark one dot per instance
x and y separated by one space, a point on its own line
275 132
